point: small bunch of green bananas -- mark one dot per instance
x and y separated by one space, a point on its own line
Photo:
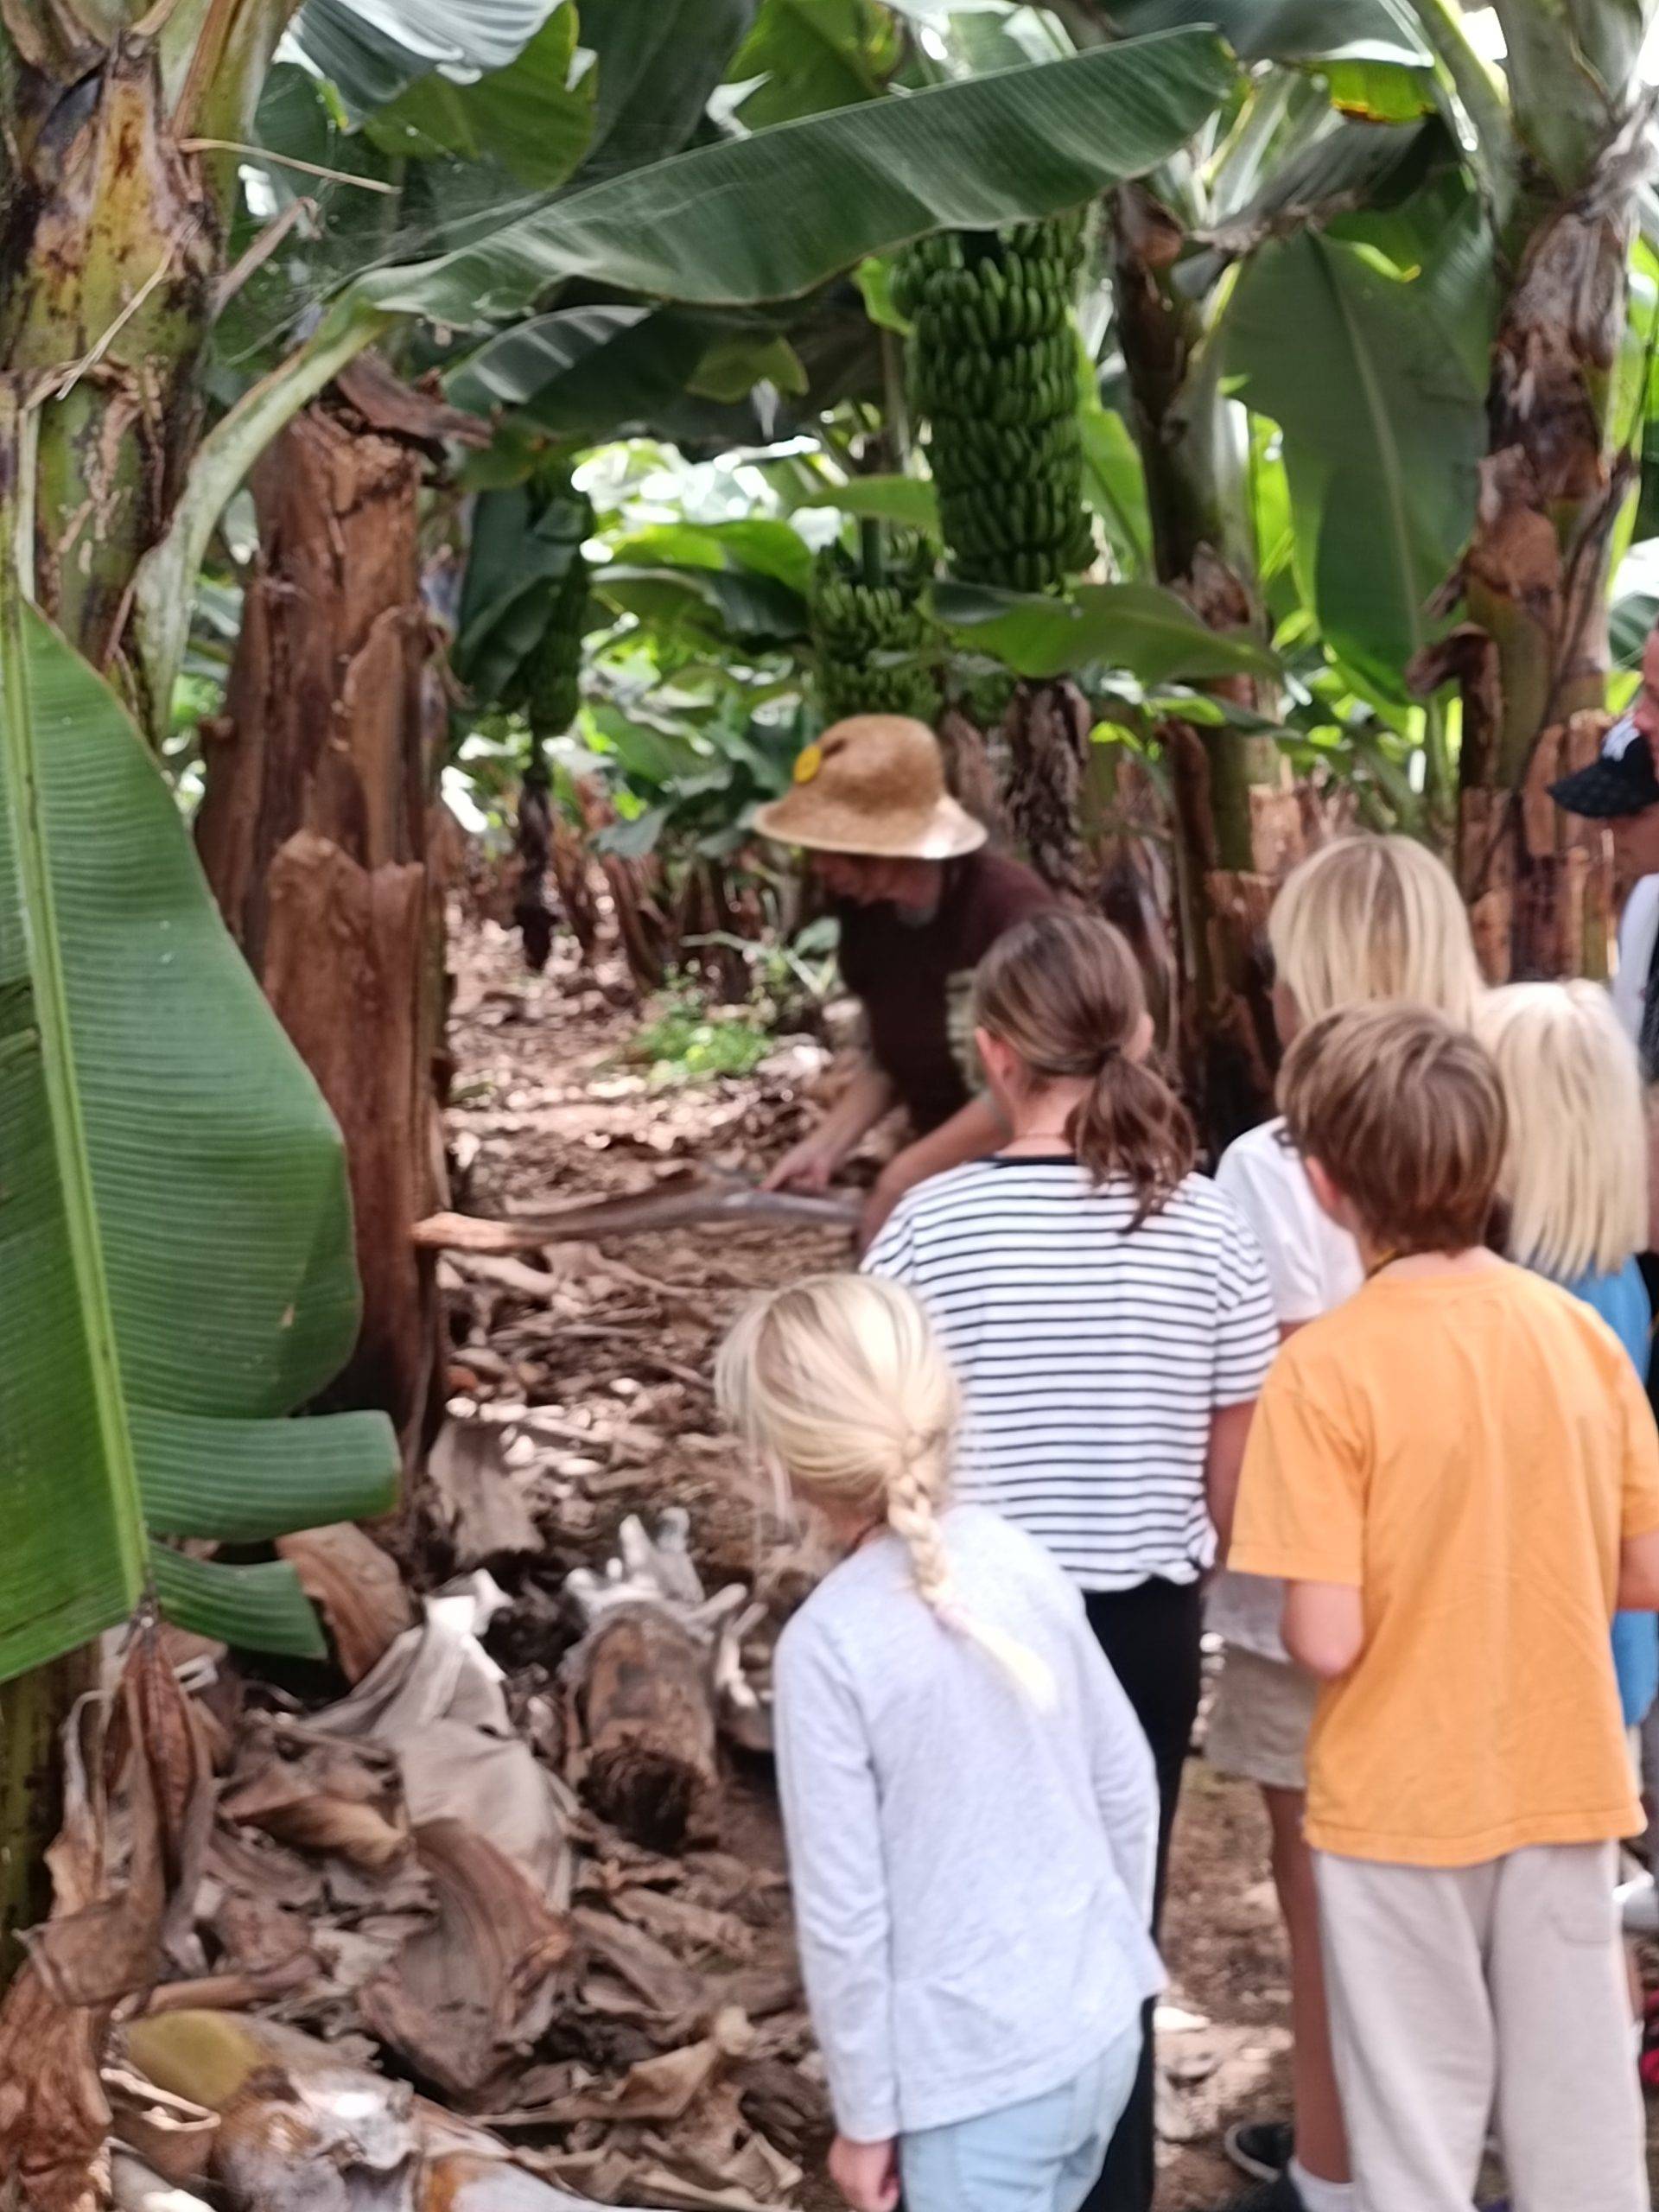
547 684
872 644
994 369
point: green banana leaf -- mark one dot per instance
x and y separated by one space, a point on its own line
1290 30
532 116
911 501
1372 377
771 215
1114 486
626 369
760 543
714 603
370 52
806 56
524 540
175 1247
1138 627
658 62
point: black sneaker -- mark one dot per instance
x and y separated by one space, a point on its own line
1261 2148
1279 2195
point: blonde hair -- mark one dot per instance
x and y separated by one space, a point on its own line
1575 1170
1403 1109
840 1381
1063 991
1368 918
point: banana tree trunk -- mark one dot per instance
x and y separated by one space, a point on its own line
1236 824
113 237
1045 739
1531 658
107 268
313 833
1563 160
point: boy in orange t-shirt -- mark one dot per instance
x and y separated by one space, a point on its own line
1457 1473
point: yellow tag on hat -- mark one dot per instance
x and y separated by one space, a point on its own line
808 764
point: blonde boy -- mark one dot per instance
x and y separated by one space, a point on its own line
1457 1474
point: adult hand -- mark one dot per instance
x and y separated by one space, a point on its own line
807 1165
866 2174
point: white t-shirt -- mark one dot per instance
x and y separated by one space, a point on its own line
1312 1265
1638 928
1091 1354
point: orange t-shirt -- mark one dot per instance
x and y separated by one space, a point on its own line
1470 1451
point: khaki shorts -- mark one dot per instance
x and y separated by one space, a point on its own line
1259 1720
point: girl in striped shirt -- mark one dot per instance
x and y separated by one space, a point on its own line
1109 1319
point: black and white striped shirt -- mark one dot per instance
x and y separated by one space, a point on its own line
1090 1355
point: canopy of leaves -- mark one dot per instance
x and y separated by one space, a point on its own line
749 219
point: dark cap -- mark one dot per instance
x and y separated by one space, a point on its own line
1620 782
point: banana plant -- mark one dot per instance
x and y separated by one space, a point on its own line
175 1249
704 228
1557 118
175 1260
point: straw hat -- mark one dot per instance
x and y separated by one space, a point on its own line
874 784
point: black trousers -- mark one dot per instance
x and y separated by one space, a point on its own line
1152 1637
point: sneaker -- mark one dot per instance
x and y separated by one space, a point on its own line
1261 2148
1279 2195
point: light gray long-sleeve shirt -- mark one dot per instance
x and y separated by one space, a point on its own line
972 1873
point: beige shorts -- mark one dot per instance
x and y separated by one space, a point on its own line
1259 1720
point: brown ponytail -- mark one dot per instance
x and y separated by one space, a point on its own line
1064 991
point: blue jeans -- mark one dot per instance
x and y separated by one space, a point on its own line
1040 2156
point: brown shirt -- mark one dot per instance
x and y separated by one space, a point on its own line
914 979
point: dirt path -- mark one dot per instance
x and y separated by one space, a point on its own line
544 1113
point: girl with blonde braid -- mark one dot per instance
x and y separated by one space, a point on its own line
968 1801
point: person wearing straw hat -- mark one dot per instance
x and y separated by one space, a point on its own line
920 900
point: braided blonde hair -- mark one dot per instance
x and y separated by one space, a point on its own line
839 1381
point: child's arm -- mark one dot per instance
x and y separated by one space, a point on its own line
1125 1780
1638 1573
1325 1627
1638 1556
1229 1431
1247 1337
838 1881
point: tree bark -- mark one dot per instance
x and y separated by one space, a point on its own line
1045 732
970 771
1237 824
108 256
112 238
313 833
33 1710
640 1694
1531 660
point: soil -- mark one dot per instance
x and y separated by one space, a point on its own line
547 1109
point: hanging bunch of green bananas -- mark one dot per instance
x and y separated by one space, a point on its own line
546 684
873 642
994 369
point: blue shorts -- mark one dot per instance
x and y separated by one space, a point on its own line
1043 2155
